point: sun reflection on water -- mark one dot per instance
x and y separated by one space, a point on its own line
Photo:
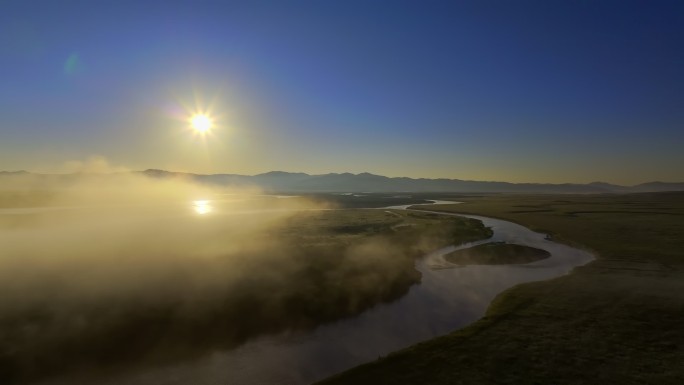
201 207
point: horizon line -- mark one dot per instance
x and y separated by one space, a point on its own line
330 173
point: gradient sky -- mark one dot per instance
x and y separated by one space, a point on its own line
540 91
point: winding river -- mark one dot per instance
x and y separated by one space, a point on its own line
448 298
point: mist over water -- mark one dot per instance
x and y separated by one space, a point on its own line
130 279
96 269
114 236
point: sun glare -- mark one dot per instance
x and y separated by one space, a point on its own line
201 123
201 207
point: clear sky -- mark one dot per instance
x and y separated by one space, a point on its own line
540 91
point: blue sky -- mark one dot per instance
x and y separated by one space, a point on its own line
541 91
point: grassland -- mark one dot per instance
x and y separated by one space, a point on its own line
496 253
617 320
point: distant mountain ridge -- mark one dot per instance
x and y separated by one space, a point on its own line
282 181
292 182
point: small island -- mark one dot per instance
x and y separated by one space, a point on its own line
496 253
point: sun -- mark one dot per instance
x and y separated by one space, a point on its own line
201 123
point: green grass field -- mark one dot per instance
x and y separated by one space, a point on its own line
617 320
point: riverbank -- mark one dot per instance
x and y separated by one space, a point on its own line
615 320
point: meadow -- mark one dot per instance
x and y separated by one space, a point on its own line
615 320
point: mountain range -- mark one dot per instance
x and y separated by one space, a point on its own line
289 182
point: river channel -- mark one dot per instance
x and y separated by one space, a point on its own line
448 298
